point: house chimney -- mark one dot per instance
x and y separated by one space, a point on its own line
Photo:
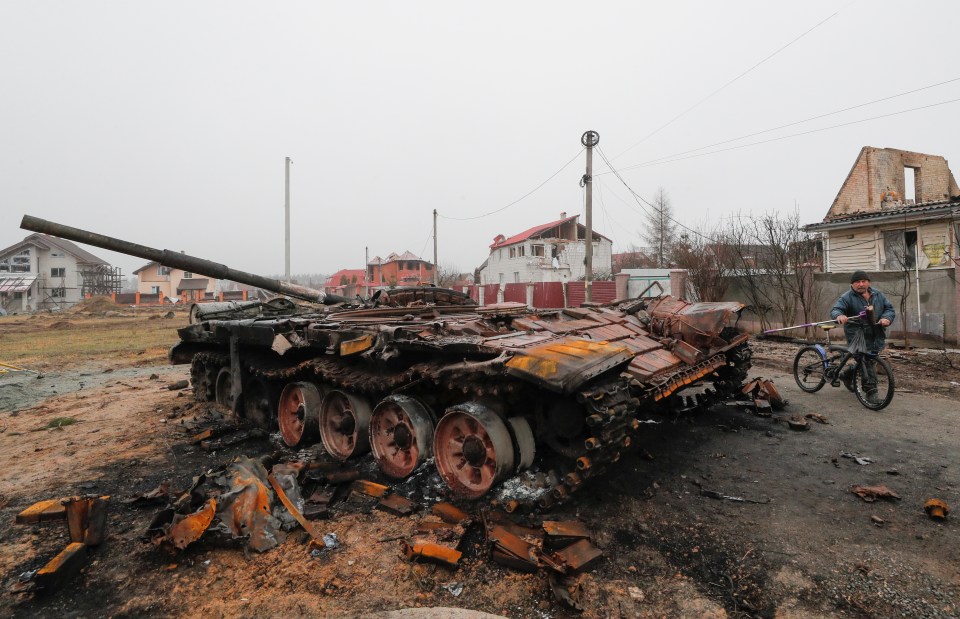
563 215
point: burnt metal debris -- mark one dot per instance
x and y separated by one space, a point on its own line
421 373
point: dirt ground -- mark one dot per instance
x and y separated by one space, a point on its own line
800 544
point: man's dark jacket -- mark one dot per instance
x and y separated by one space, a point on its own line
851 304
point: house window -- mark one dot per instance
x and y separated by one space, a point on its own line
56 255
20 262
187 275
537 250
154 289
163 270
899 249
513 252
522 250
58 293
58 272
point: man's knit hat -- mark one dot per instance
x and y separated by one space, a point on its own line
858 275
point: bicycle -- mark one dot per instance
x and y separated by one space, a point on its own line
815 364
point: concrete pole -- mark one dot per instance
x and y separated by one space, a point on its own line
286 207
436 265
589 139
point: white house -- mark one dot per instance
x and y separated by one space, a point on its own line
46 272
551 252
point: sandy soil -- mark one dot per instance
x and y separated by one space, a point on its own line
805 546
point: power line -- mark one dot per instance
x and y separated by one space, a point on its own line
712 94
791 124
784 137
518 199
640 198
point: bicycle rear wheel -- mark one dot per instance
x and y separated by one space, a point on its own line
885 384
808 369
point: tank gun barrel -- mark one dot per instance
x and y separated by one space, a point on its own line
177 260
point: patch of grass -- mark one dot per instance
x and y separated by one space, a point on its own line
119 340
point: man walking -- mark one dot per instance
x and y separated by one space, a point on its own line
877 313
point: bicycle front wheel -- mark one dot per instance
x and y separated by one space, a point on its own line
874 397
808 369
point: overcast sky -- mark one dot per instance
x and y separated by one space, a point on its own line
167 123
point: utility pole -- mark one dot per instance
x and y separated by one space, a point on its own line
286 203
436 266
589 139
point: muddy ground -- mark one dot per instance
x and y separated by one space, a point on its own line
801 545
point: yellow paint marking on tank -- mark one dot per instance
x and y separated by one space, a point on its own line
352 347
545 360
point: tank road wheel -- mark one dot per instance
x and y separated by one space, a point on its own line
224 389
298 413
260 403
401 435
344 424
473 449
203 377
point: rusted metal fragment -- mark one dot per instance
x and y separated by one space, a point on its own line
510 550
43 511
187 529
206 435
96 521
568 590
62 567
937 509
512 561
431 552
449 513
87 519
77 508
397 505
246 504
872 493
308 527
565 366
425 526
578 555
525 532
565 528
369 488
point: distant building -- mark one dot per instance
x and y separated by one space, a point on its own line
551 252
46 272
346 282
154 278
405 269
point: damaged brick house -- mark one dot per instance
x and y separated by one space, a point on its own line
551 252
897 216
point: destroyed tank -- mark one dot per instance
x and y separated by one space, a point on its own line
414 374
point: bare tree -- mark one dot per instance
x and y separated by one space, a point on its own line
660 232
707 262
901 256
447 275
775 260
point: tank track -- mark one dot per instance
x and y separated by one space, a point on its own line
609 408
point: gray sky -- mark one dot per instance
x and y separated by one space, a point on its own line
167 123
